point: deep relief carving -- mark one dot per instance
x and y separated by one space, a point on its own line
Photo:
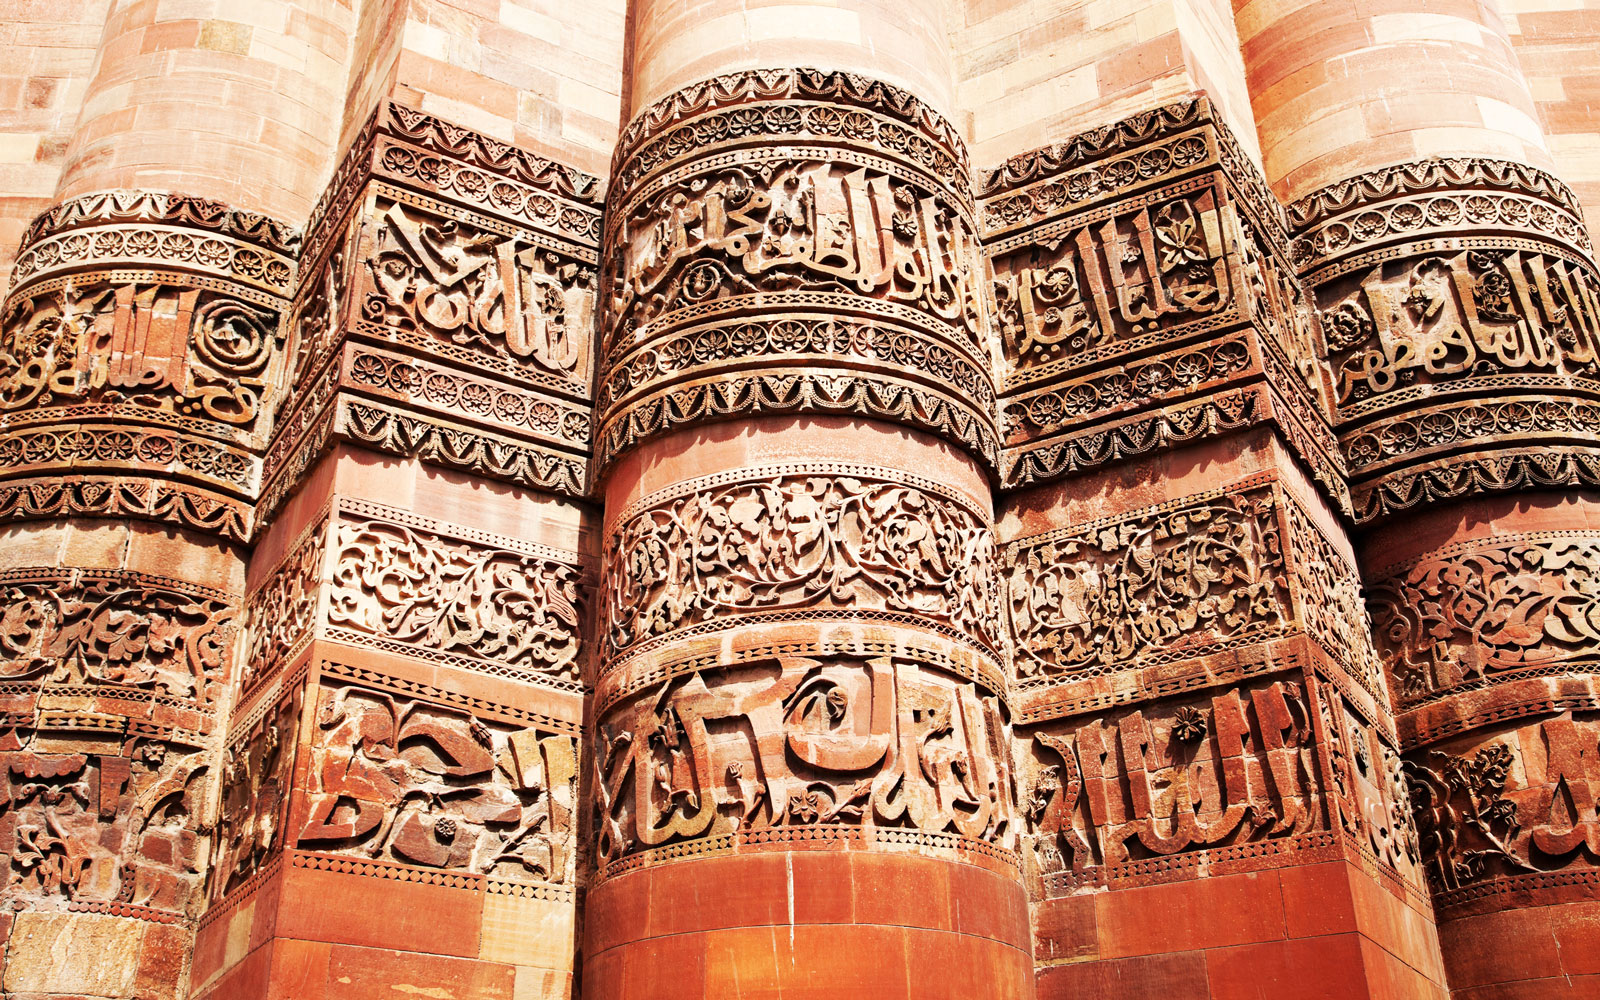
118 634
1372 803
111 680
786 542
1079 290
475 287
456 447
1482 177
447 309
1475 313
415 381
1329 593
1143 299
432 786
257 776
158 357
800 741
1112 595
282 612
1518 804
1461 310
1231 769
420 588
782 202
1477 612
118 827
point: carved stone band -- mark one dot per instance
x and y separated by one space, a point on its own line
1506 608
1461 312
798 543
802 746
373 576
1186 580
812 235
1510 810
1143 298
142 339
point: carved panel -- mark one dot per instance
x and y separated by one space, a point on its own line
476 287
1184 581
257 778
1474 613
833 537
810 225
399 584
1498 814
110 684
159 356
428 785
103 825
1129 794
284 609
796 742
1144 300
1115 594
446 310
1371 802
155 644
1462 313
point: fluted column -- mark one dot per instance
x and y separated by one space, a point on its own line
141 360
1458 293
801 775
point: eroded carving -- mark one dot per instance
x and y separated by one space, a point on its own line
428 785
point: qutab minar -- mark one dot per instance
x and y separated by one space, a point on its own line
920 499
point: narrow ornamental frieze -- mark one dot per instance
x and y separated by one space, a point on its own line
1508 610
367 575
1509 814
789 241
154 230
1184 588
1143 300
141 348
1461 309
256 786
804 747
805 541
445 310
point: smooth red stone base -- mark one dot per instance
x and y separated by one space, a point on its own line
1531 953
306 934
1325 931
835 924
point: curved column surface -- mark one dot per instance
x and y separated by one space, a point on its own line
1342 88
801 766
236 102
791 241
140 359
903 42
1483 617
1458 291
801 771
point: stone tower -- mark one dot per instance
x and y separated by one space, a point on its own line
883 499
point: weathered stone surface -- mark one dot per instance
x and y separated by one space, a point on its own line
851 498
